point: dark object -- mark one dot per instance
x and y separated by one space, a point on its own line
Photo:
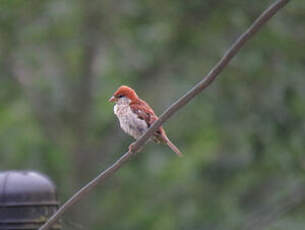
27 199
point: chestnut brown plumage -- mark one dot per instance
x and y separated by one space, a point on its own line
136 116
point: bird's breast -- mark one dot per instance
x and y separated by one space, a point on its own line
129 121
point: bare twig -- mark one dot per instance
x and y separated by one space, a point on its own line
207 80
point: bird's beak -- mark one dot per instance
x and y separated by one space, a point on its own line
112 99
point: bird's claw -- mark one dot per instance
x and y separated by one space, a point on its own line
131 148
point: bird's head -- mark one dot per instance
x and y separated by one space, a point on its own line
124 92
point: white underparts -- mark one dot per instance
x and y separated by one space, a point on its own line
129 121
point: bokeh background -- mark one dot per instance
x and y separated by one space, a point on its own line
243 138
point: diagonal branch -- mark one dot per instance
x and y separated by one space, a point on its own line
207 80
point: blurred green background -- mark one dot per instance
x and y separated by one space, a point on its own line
243 138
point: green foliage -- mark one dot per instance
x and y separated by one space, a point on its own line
243 138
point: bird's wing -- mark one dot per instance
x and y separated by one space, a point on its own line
144 112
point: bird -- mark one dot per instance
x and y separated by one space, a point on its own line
136 116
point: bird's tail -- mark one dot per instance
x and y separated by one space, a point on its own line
173 147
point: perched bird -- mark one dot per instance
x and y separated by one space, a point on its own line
136 116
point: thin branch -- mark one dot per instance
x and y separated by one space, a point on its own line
207 80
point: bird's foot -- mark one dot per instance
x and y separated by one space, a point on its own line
131 147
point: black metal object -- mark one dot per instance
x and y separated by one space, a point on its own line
27 199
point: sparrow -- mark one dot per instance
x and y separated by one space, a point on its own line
136 116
